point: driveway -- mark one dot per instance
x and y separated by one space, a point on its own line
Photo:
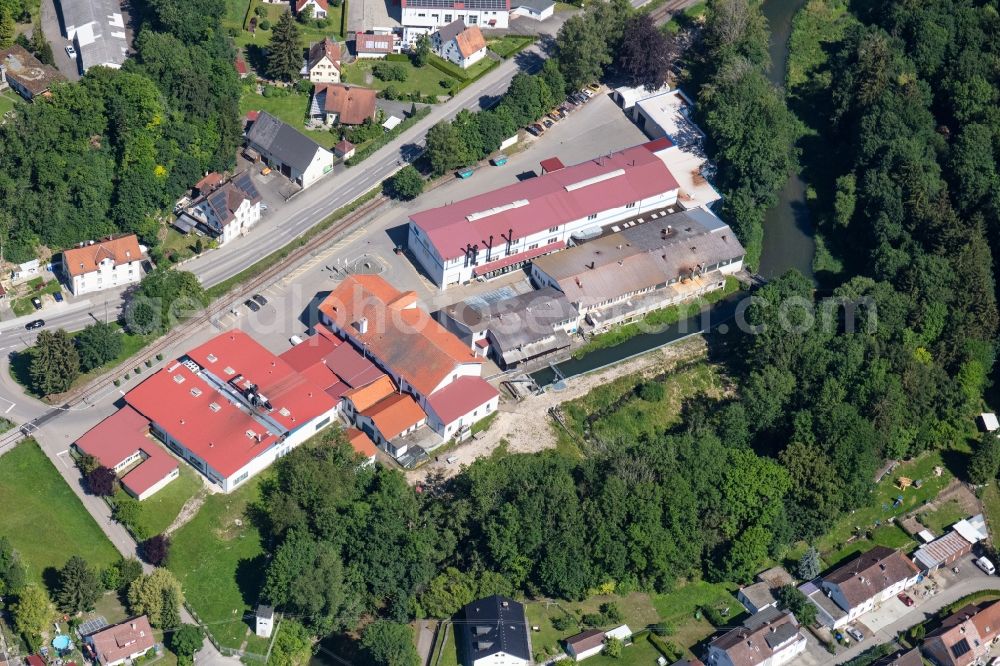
53 32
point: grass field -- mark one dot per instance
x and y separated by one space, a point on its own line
508 45
219 561
883 498
943 517
640 653
991 508
159 511
236 11
8 98
424 80
291 109
637 608
42 516
624 416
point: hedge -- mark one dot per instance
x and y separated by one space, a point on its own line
397 57
449 68
366 151
468 82
343 19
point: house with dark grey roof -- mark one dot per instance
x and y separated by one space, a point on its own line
643 265
97 28
769 638
862 584
494 632
965 637
901 658
24 73
226 212
285 149
513 328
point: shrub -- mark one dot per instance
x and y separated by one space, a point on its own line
613 648
155 550
564 622
101 482
390 71
612 612
304 86
713 615
652 391
259 10
592 619
264 25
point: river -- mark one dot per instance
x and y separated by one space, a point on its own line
788 235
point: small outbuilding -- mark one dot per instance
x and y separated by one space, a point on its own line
265 621
988 422
344 150
585 644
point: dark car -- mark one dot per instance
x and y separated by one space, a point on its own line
533 130
58 297
251 305
548 123
260 299
32 325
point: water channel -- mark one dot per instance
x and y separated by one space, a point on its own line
788 240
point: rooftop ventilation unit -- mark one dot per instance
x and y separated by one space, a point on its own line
596 179
472 217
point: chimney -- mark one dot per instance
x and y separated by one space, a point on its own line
362 325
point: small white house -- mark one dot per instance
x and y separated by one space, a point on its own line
106 264
229 211
585 644
622 633
265 621
538 10
464 46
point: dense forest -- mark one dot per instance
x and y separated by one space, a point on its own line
890 359
104 155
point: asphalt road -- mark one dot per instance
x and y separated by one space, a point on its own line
311 206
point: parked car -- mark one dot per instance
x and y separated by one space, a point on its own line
32 325
855 633
465 173
37 302
295 340
594 87
905 598
987 566
260 300
58 297
251 305
70 51
548 123
554 116
535 131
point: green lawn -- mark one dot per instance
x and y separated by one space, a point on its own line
8 99
219 560
881 507
943 517
678 609
236 11
637 608
891 536
445 653
991 508
640 653
424 80
508 45
292 109
159 511
42 516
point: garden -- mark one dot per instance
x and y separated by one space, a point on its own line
36 287
239 13
402 80
155 514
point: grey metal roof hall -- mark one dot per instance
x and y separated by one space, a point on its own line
283 142
98 28
492 625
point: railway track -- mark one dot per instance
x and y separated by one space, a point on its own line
219 306
663 13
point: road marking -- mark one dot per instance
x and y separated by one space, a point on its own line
60 456
7 411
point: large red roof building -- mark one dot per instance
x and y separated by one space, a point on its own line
423 358
503 229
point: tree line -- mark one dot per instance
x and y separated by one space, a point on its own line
104 155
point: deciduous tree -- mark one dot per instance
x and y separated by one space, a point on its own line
390 644
97 344
33 612
646 53
157 595
186 640
102 481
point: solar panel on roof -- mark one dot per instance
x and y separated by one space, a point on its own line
960 648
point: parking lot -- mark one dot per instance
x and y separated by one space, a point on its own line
597 127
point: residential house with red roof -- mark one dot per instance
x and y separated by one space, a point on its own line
121 642
341 104
122 443
769 638
226 211
460 44
964 637
857 587
320 8
112 262
362 444
323 62
499 231
422 357
231 408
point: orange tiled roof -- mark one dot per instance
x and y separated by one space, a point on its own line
365 396
80 260
470 40
395 414
399 334
361 442
352 104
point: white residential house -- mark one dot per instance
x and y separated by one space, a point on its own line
106 264
320 8
229 211
323 62
422 17
769 638
460 44
861 585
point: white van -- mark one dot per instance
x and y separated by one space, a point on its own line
986 565
295 340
